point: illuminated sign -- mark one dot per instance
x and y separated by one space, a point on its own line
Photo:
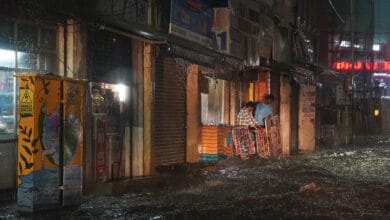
360 65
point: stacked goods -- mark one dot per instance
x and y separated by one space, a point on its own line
262 145
225 141
244 145
272 125
215 143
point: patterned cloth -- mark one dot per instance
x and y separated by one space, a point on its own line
245 118
243 144
272 125
262 145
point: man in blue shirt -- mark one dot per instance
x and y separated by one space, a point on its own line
264 109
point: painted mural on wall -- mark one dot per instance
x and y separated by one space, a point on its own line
72 141
41 153
73 122
39 142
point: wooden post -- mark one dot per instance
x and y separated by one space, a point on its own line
285 114
193 114
137 110
232 102
80 50
251 95
306 117
147 109
226 102
61 49
69 68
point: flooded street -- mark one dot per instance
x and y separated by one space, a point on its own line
352 182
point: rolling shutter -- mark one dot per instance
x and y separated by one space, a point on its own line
170 112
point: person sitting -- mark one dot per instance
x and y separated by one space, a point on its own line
264 110
245 116
243 139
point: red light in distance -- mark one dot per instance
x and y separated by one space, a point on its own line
359 65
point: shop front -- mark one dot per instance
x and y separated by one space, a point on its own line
21 51
207 89
170 111
219 104
110 151
109 108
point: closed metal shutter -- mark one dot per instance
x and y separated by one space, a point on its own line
170 112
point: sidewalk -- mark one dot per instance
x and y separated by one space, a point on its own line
7 196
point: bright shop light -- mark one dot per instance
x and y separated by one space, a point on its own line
122 92
7 58
376 47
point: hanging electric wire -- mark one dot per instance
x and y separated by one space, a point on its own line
335 11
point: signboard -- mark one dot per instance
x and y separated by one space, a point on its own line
226 34
26 101
360 65
191 19
220 28
131 11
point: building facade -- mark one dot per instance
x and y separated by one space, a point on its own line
158 73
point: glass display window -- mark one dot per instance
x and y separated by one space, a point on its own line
7 100
24 48
26 60
27 36
7 34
